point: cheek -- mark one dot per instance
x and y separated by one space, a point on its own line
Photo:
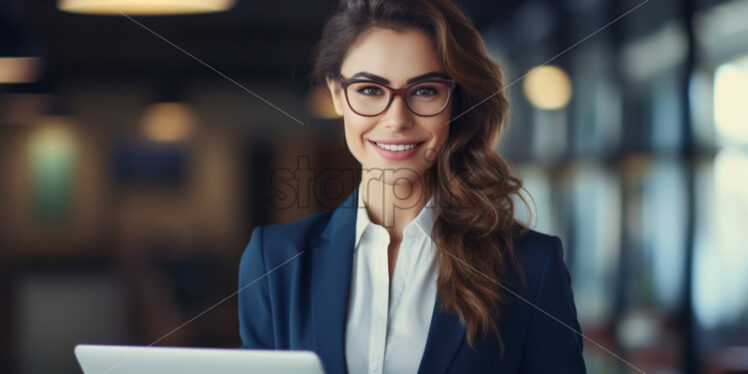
440 130
354 135
440 133
354 129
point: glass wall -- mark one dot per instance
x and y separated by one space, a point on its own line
643 174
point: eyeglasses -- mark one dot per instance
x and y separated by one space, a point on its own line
424 98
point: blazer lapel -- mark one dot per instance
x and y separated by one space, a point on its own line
332 260
445 336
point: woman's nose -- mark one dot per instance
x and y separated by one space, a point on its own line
397 116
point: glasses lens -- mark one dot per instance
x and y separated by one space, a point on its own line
428 98
367 98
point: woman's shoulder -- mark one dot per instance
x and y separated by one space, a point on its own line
540 254
293 234
311 224
275 243
535 243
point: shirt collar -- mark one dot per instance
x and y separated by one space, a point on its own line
424 220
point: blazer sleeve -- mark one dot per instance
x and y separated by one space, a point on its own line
554 343
255 310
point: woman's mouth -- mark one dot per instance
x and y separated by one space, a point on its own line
396 152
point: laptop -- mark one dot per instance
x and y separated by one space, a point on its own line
117 359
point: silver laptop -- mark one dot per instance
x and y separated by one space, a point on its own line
114 359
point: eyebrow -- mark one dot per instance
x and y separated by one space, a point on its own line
379 79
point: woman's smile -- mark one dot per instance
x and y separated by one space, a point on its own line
396 151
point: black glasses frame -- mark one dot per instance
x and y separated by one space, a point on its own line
345 82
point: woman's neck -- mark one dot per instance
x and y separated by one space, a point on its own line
393 206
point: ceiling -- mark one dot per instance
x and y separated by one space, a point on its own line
257 39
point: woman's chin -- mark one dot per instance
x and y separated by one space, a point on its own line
401 178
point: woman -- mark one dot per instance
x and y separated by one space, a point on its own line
423 268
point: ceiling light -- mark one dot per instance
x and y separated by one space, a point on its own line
319 103
547 87
144 7
19 69
168 122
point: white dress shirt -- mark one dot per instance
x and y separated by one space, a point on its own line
386 332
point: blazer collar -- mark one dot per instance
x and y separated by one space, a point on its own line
332 260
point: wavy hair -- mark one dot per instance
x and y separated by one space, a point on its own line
473 186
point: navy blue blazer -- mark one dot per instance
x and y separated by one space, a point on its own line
294 281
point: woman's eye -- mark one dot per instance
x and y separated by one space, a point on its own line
369 90
425 91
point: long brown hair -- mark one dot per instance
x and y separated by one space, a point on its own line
473 186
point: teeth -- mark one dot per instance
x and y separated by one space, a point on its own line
396 148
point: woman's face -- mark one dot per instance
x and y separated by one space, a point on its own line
395 57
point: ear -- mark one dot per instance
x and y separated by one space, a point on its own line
336 93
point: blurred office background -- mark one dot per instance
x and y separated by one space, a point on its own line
136 157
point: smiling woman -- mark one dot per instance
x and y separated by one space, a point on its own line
424 267
378 124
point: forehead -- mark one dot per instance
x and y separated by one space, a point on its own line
394 55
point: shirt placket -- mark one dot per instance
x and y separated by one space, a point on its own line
380 305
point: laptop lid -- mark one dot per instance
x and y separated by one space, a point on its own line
117 359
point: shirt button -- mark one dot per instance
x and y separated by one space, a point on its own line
374 366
